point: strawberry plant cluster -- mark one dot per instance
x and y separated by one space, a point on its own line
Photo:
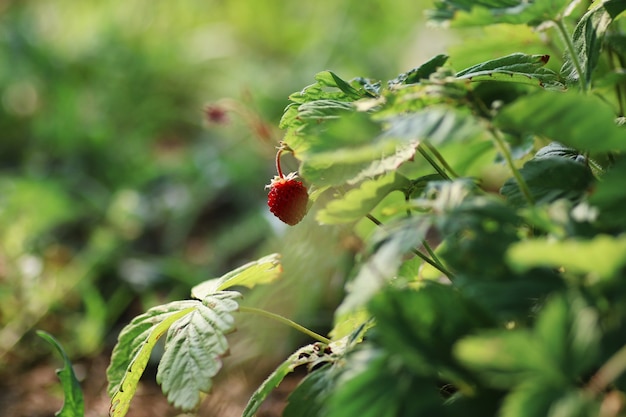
491 202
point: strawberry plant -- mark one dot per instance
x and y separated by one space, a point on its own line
490 202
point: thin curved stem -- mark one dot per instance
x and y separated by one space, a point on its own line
509 160
278 169
441 159
435 264
432 162
572 53
609 372
285 321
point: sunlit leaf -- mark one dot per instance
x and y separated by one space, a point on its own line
602 257
132 352
193 349
261 271
517 68
581 122
356 203
588 38
74 403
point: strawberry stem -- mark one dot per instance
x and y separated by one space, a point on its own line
278 169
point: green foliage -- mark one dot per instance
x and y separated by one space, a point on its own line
487 201
195 339
74 404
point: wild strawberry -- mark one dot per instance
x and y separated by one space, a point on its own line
288 199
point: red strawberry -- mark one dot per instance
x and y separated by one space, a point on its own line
288 198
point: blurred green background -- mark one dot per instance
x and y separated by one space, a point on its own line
117 194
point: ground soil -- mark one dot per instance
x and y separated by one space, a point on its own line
36 392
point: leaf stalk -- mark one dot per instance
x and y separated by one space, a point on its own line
285 321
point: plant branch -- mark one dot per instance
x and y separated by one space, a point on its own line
504 149
609 372
286 321
434 263
432 162
441 159
572 53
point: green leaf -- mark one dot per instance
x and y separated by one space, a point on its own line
422 325
132 352
581 122
502 359
517 68
588 39
609 196
550 179
472 13
358 202
601 257
422 72
536 398
193 349
73 404
393 242
261 271
560 350
330 79
310 397
311 355
437 125
375 384
568 328
328 98
487 12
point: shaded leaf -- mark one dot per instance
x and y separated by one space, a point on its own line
422 325
581 122
609 196
261 271
374 384
310 397
437 125
537 398
73 403
487 12
358 202
517 68
193 349
558 351
588 38
392 243
602 257
311 355
420 73
550 179
503 359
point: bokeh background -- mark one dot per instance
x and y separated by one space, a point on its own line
117 192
